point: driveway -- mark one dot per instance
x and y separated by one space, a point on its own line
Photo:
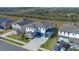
4 46
35 43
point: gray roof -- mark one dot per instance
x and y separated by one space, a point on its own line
43 24
33 24
25 22
73 28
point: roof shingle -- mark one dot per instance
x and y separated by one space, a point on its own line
74 28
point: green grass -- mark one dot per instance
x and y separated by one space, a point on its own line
19 37
14 42
1 32
51 42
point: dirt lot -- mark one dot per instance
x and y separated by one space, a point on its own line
57 24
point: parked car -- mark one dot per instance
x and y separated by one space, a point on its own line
61 46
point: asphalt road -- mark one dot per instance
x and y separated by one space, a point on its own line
4 46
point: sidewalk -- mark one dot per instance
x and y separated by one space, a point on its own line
43 49
15 40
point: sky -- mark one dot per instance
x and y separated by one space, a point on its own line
39 3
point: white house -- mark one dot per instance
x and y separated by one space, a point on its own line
70 34
20 26
39 28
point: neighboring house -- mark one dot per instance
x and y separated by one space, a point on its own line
42 28
20 25
5 23
70 34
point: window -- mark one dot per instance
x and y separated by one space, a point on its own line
68 33
60 32
26 28
43 29
39 28
73 34
29 28
64 32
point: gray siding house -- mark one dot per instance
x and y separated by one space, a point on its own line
70 34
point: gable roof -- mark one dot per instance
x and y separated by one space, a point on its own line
33 23
25 22
46 23
73 28
43 24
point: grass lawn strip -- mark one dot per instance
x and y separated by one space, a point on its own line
19 37
17 43
50 43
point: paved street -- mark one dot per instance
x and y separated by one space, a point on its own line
35 44
4 46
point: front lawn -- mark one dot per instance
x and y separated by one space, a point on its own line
19 37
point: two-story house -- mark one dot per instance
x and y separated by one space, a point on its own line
42 28
20 25
70 34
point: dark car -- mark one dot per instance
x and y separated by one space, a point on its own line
1 37
61 44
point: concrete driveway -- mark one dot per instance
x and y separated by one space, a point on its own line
35 43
